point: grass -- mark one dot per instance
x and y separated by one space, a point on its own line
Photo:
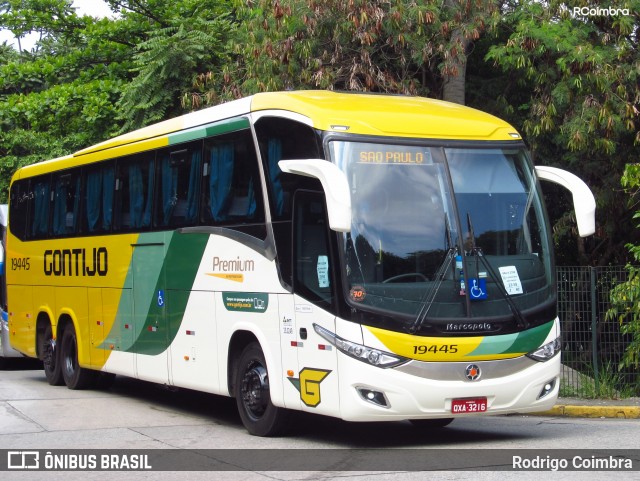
611 385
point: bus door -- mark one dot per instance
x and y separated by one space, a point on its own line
149 312
316 378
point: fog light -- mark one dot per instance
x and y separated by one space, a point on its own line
547 388
374 397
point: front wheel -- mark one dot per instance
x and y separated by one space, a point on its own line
258 414
75 377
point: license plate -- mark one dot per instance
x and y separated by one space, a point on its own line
469 405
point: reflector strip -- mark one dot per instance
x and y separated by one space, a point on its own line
191 333
296 344
325 347
152 329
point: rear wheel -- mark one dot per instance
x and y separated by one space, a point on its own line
75 377
51 357
258 414
431 423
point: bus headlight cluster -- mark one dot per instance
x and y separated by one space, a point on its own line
547 351
375 357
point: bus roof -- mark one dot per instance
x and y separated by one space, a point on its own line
355 113
388 115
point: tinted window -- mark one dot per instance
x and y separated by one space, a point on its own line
19 208
39 208
99 188
312 259
282 139
134 192
178 186
231 183
66 203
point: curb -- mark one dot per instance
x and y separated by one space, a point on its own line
624 412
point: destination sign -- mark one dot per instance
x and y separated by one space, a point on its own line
400 155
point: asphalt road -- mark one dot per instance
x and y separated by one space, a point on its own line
139 416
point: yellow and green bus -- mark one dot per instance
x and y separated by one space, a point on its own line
367 257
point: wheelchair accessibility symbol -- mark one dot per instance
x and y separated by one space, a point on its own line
478 289
160 298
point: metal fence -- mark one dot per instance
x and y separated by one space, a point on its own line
592 346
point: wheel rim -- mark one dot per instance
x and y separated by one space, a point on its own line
255 390
69 352
49 358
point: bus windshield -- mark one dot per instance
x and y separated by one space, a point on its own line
444 233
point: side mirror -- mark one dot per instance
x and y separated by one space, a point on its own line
583 201
335 186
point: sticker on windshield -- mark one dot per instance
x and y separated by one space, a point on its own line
323 271
511 280
357 293
478 287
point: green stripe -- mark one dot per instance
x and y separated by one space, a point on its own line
162 263
175 280
525 341
217 128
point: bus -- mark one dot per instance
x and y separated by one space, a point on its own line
367 257
6 351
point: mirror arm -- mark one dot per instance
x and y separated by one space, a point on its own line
335 186
583 201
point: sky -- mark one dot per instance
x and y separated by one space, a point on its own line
95 8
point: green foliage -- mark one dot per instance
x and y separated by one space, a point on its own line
60 96
610 385
393 46
625 297
579 76
166 65
87 78
43 16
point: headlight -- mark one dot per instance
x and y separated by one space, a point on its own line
546 352
375 357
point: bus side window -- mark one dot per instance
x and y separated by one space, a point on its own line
312 259
40 207
19 208
99 183
134 192
231 185
178 182
66 203
283 139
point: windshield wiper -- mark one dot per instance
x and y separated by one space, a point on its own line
430 295
477 253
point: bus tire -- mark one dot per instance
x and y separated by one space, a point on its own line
75 377
259 416
431 423
50 351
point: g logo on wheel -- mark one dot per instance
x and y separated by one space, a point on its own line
472 372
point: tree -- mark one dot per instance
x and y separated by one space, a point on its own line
625 297
185 40
58 97
395 46
86 79
580 111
